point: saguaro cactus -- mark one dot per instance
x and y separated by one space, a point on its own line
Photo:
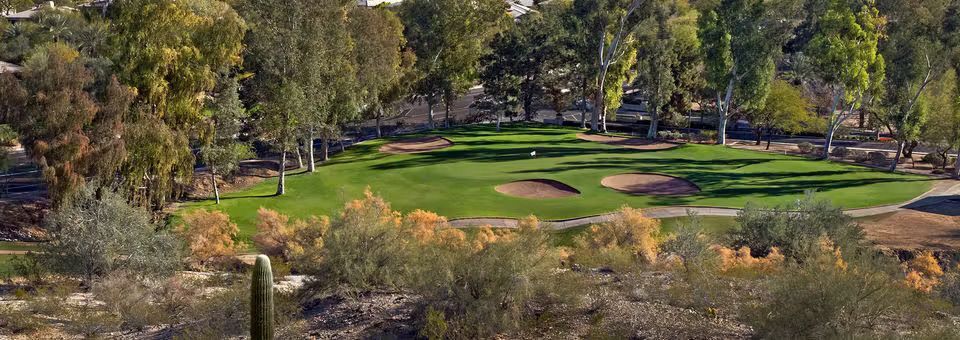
261 300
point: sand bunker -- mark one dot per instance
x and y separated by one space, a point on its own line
537 189
416 145
650 184
631 143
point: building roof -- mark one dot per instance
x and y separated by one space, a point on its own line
6 67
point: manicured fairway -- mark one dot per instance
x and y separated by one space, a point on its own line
459 181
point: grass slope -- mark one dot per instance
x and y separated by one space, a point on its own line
459 181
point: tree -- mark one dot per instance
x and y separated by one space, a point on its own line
94 235
917 51
222 151
785 110
741 40
172 52
942 129
609 25
301 79
449 38
56 114
655 67
845 54
384 65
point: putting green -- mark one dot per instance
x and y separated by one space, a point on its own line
459 181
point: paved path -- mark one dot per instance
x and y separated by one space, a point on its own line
942 191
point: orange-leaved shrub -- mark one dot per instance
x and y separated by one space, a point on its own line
742 259
487 281
629 238
922 272
280 238
209 236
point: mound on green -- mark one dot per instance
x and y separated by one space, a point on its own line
460 181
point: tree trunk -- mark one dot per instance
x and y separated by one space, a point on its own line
896 158
769 137
299 158
829 142
956 166
759 134
722 131
583 112
430 115
527 108
324 149
597 109
499 115
213 180
379 118
654 121
281 188
446 114
311 166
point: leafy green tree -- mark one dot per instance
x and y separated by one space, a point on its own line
384 66
846 57
942 128
501 83
172 52
222 150
657 57
609 26
741 40
784 110
449 38
918 52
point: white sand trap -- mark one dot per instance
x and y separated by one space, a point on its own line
537 189
416 145
650 184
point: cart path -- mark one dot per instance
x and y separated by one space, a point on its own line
942 191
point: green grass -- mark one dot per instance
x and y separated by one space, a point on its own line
6 264
459 181
24 246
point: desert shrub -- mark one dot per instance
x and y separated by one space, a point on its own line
692 246
859 156
30 267
934 159
742 259
828 297
435 327
278 237
923 272
705 136
840 152
489 282
93 236
18 320
130 300
949 288
364 248
222 313
628 239
877 157
8 137
795 229
806 147
209 235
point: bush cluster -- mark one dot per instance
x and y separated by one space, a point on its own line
806 147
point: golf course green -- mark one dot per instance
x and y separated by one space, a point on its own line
459 181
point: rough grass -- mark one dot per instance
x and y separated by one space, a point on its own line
459 181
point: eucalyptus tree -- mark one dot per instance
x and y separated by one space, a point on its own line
741 41
449 38
222 149
383 62
917 48
609 26
785 109
172 52
656 50
846 57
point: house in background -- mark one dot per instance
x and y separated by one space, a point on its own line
516 8
30 13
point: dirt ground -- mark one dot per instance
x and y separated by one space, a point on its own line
936 228
650 184
537 189
630 143
23 220
251 172
913 165
416 145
